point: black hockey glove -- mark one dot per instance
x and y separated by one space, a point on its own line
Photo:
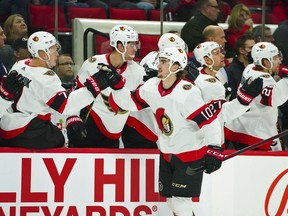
192 71
76 131
116 81
213 158
150 72
249 90
283 71
97 82
12 84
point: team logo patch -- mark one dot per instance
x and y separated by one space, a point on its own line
107 104
172 39
180 50
122 28
35 39
49 73
92 59
266 75
187 86
262 46
211 80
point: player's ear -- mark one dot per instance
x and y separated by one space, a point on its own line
43 55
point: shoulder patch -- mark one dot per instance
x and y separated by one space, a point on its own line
49 73
92 59
187 86
211 80
266 75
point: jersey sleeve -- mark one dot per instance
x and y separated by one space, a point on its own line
275 95
205 117
127 100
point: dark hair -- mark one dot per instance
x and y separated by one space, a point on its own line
240 41
257 31
201 3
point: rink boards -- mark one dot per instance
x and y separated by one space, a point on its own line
125 182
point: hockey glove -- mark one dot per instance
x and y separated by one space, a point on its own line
213 158
97 82
12 84
192 71
283 71
249 90
115 79
76 131
150 72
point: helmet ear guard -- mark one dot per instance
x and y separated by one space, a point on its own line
264 50
41 40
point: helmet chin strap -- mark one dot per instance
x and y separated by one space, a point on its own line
170 72
123 53
46 61
269 69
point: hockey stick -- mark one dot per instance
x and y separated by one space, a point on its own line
190 171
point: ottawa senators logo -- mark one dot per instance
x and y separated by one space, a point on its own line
187 86
262 46
211 80
172 39
36 39
164 122
122 28
49 73
92 59
106 102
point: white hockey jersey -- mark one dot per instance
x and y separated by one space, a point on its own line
109 123
259 122
213 93
43 95
4 106
185 123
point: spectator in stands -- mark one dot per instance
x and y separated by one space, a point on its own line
243 58
3 70
281 40
257 34
14 27
65 70
207 15
20 49
239 22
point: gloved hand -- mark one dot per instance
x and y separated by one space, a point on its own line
12 84
249 90
150 72
192 71
116 81
283 71
97 82
76 131
213 158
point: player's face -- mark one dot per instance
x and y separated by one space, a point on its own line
2 37
218 57
131 50
163 68
53 55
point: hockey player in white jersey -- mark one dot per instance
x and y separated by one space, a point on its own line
188 131
210 55
140 127
103 126
28 122
259 122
